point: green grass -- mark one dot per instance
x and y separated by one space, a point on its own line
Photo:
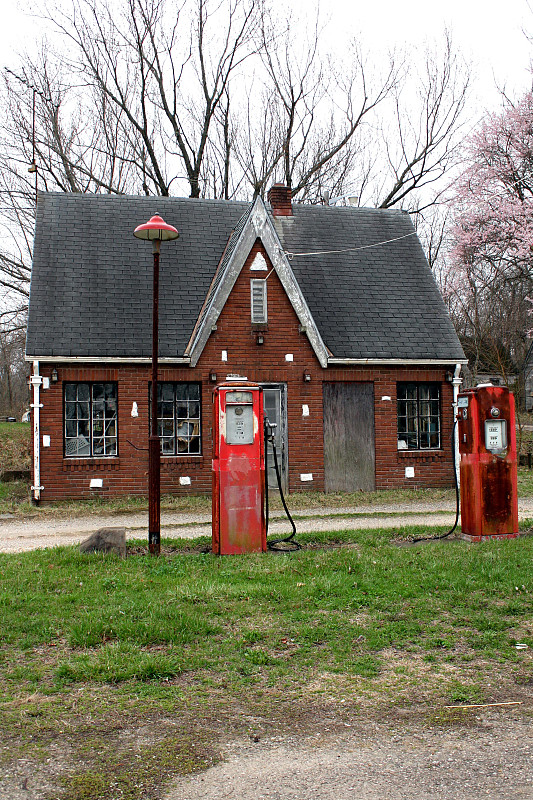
14 445
93 644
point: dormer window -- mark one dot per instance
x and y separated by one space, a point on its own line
258 291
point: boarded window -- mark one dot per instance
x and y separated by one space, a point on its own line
258 289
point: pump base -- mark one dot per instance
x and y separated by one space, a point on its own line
467 537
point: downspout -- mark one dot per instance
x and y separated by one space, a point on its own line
457 381
36 381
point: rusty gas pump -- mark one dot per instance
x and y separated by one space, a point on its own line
238 500
488 468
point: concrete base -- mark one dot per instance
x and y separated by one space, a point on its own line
467 537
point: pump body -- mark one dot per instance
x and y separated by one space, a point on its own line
238 499
488 469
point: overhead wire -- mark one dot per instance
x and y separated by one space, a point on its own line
291 255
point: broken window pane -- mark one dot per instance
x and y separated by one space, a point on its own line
90 414
179 418
418 410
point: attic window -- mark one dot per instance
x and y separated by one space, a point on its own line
258 290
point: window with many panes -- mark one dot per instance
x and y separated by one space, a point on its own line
178 418
419 423
90 415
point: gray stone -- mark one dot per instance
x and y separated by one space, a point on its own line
106 540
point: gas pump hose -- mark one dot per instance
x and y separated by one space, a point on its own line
271 545
456 482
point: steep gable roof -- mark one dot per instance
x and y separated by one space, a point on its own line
256 224
373 296
357 278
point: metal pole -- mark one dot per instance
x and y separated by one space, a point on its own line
154 447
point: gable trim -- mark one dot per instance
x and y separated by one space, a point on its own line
257 226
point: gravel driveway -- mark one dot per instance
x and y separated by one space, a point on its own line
19 534
492 758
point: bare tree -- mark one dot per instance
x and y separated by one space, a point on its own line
151 95
309 133
425 145
166 70
13 372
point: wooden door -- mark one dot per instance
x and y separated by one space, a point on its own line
349 446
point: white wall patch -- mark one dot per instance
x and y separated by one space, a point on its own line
224 355
306 476
259 263
289 357
97 483
386 397
409 472
46 383
305 410
46 440
134 410
185 480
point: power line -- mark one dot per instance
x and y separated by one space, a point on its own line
290 255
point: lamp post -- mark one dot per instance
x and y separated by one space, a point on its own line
155 230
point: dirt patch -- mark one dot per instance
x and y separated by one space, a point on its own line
101 743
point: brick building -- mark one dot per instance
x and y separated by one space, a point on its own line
333 310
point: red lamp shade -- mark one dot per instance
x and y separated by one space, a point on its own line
156 228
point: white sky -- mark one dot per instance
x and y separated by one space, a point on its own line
492 39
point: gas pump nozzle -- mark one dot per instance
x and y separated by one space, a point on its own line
269 429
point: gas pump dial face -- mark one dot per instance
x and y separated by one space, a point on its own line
239 424
495 435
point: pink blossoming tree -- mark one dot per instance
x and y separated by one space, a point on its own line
492 253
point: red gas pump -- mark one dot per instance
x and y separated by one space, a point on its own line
487 444
238 470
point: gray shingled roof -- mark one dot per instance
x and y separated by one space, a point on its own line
91 280
375 302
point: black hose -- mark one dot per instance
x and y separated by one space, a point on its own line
452 529
294 545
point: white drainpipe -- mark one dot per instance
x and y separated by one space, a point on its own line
457 381
36 381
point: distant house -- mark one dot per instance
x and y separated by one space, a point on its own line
333 310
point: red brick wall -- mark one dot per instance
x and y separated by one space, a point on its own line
127 474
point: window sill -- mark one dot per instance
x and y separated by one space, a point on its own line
91 462
184 459
421 453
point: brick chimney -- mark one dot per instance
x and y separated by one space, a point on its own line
280 199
